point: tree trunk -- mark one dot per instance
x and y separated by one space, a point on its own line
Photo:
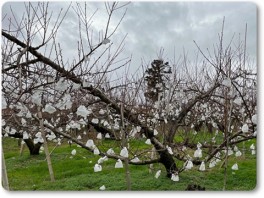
167 160
165 157
33 148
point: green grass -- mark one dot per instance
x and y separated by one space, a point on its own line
76 173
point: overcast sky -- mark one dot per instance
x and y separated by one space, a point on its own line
171 25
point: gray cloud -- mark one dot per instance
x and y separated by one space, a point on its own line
152 25
177 24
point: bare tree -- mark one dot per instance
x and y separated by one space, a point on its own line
78 95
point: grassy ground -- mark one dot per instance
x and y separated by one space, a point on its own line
76 172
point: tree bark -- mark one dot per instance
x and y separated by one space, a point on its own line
165 157
33 148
